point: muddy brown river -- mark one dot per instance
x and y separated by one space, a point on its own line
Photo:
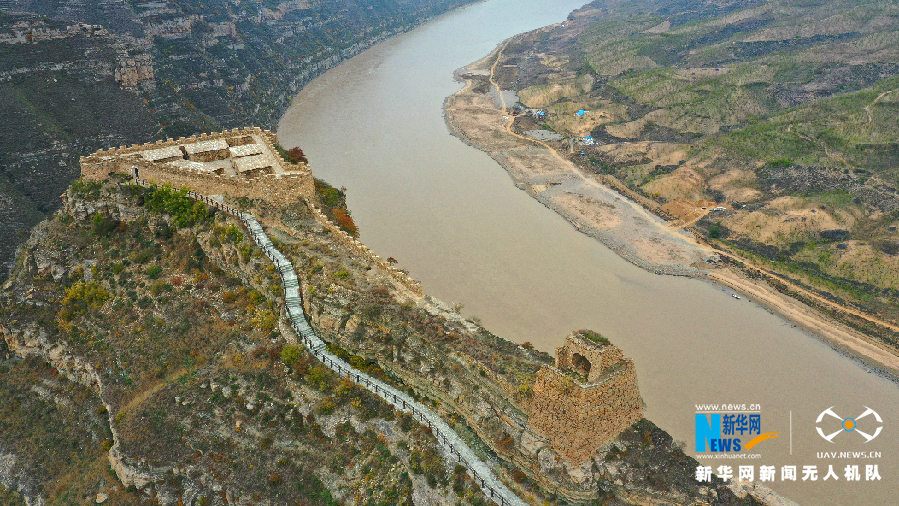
455 221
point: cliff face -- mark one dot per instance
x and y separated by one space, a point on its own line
78 76
142 363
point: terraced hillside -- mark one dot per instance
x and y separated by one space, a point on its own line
782 113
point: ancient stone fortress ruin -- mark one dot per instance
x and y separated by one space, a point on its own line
236 163
229 165
587 399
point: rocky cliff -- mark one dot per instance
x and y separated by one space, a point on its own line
78 76
150 330
145 363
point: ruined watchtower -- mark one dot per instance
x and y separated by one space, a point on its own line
587 399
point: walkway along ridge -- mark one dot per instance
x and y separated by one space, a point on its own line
492 487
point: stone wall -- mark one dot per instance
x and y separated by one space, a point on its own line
579 417
586 358
361 249
289 183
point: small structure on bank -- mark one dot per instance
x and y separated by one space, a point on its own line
587 399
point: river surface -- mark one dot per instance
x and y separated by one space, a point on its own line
455 221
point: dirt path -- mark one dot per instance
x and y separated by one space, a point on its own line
845 309
868 107
145 394
870 351
562 160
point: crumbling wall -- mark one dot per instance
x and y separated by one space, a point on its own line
292 182
282 188
579 417
576 352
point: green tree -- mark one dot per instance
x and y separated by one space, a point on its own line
290 354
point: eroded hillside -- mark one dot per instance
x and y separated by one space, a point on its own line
768 127
152 329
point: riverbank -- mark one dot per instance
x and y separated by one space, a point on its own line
480 117
474 116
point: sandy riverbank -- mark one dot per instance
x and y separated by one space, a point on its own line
477 116
594 209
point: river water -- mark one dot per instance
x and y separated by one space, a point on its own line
455 221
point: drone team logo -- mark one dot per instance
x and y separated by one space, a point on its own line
850 424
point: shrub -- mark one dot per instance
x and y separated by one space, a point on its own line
345 221
102 226
326 406
157 287
246 251
505 444
344 388
256 298
185 211
265 321
890 247
518 476
596 337
319 377
274 352
230 233
285 155
141 256
82 297
717 230
780 163
86 188
329 195
296 155
525 390
153 271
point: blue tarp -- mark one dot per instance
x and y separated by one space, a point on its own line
581 112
